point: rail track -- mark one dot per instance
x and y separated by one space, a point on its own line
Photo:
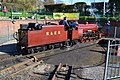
31 58
8 58
62 72
17 68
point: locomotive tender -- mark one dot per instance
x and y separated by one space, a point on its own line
34 37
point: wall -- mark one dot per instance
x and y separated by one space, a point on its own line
7 28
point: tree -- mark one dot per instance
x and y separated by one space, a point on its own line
48 2
81 6
23 5
26 5
115 4
39 5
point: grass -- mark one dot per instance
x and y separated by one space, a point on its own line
24 14
8 14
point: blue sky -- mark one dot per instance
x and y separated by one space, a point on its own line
87 1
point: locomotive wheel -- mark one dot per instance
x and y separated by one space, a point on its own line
40 49
61 45
90 39
53 46
49 46
87 40
36 50
67 44
82 40
100 35
73 43
30 50
44 48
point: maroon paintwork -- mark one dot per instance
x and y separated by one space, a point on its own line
75 34
48 35
80 31
88 27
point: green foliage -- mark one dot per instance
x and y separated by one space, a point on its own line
81 6
103 19
115 4
8 14
25 15
25 5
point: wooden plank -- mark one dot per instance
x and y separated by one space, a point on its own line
58 69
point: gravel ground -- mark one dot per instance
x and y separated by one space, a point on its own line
39 72
88 63
27 75
7 63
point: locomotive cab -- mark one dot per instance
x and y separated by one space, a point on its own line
72 31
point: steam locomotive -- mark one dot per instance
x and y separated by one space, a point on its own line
34 37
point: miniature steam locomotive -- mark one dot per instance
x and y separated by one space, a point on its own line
34 37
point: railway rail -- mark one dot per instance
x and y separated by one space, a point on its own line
62 72
12 70
17 68
8 58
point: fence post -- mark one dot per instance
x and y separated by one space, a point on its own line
106 62
11 10
36 17
8 33
115 32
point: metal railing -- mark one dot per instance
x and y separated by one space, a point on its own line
112 65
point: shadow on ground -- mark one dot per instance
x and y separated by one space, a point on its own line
10 49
